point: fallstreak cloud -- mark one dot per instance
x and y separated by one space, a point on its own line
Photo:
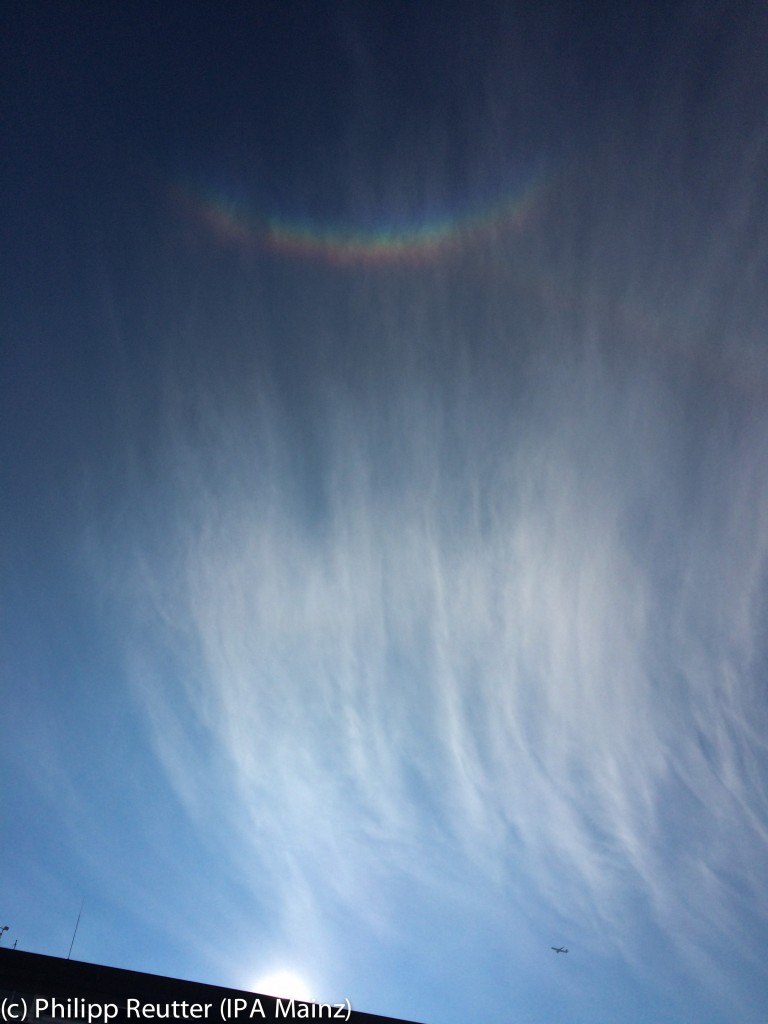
473 594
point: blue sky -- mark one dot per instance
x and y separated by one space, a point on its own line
388 615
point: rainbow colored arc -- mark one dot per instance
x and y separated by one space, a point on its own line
232 225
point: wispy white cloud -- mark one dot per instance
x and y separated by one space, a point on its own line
473 597
480 641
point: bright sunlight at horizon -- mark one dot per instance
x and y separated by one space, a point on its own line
283 983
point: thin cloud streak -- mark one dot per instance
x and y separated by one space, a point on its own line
470 597
533 660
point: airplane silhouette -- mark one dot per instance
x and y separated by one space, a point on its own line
559 949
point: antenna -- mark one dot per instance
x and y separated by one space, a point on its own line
74 933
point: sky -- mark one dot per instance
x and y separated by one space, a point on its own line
384 540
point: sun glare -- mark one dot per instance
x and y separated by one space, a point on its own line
286 984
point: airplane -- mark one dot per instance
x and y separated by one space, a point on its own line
559 949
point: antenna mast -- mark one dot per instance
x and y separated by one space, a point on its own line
74 933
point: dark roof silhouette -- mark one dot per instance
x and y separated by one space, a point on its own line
32 975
